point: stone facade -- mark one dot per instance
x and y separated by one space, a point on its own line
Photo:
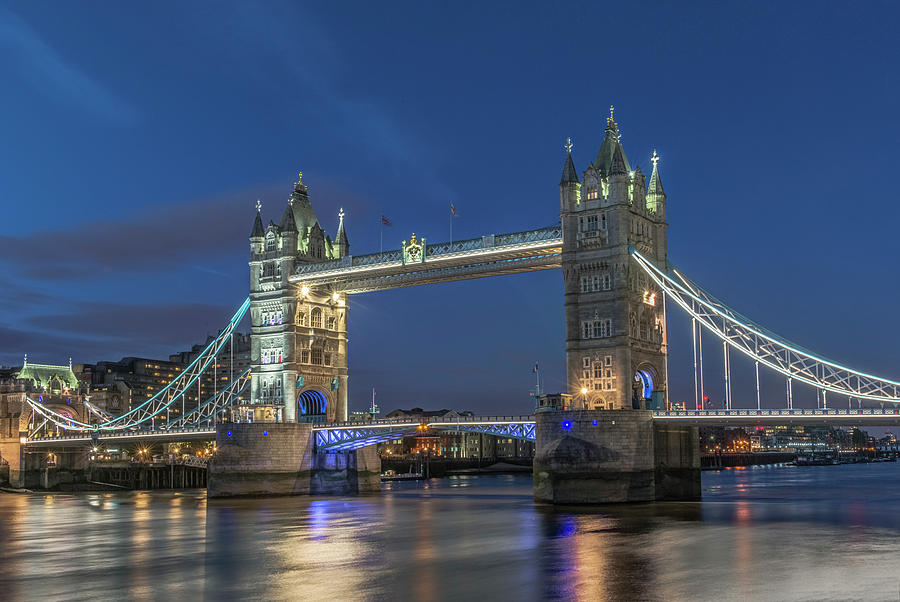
612 456
280 459
299 335
615 317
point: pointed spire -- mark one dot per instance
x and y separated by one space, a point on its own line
569 175
287 219
611 141
258 230
655 183
343 244
341 234
618 165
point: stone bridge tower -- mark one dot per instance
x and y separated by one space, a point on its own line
615 316
298 335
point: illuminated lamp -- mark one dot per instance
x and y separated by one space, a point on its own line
566 424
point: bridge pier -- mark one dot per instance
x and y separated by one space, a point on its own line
265 458
611 456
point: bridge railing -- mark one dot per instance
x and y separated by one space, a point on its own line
781 412
460 247
429 420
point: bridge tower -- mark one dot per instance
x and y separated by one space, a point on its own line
615 317
298 335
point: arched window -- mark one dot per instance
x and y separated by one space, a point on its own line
316 318
271 243
301 318
331 322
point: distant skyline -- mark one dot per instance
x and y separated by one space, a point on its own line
137 140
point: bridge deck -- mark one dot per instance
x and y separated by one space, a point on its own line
490 255
352 435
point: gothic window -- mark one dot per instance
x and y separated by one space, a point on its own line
585 284
597 329
316 318
265 388
607 282
607 360
301 318
595 283
592 222
277 388
634 330
327 358
598 371
587 330
278 270
316 357
586 361
271 244
603 221
608 373
586 375
331 322
581 224
304 356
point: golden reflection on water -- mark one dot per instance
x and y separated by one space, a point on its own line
773 534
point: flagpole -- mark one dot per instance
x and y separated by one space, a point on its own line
451 229
381 236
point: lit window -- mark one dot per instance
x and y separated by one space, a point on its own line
316 318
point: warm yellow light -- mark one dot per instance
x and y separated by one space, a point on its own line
304 290
335 297
584 390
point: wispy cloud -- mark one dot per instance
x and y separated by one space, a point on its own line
151 240
45 69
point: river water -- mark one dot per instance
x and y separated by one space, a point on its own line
764 533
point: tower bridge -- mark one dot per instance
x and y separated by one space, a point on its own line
610 436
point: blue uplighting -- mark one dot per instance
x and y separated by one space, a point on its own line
265 433
229 433
567 424
595 422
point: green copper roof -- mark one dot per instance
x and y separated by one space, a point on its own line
45 375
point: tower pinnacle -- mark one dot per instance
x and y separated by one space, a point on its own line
569 175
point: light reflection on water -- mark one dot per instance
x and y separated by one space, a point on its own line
814 533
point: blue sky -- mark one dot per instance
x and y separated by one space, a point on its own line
137 139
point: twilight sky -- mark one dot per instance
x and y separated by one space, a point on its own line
136 141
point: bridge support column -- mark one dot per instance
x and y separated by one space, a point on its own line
256 459
610 456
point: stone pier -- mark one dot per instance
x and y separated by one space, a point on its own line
610 456
255 459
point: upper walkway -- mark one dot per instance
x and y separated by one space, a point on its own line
489 255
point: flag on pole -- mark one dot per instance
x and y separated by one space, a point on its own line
385 221
453 210
534 371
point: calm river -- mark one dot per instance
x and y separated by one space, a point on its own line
768 533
